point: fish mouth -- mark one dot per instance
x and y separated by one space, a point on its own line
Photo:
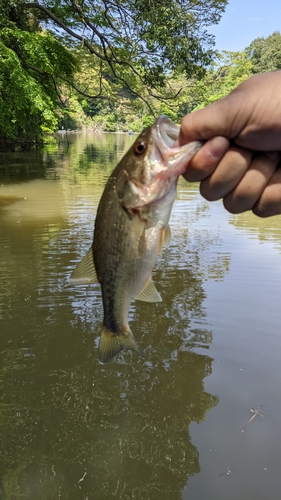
165 134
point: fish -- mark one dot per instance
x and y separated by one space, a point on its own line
132 228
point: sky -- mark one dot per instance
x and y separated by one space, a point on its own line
245 20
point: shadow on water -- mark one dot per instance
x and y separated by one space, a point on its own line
71 428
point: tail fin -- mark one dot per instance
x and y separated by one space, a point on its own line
111 344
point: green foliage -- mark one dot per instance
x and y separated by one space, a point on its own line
114 66
13 11
126 51
135 43
29 64
265 53
26 110
176 32
226 73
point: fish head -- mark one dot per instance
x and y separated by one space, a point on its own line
153 164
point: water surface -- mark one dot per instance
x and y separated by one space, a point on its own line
164 427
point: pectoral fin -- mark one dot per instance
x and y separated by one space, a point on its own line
84 273
165 239
111 344
149 293
138 224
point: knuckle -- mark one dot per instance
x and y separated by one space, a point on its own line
269 203
237 204
261 210
230 206
198 171
208 192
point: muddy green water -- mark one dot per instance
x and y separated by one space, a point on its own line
165 427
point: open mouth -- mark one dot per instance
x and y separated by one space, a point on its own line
165 134
166 131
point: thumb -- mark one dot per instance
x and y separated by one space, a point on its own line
217 119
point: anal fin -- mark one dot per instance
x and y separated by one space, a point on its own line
149 293
85 272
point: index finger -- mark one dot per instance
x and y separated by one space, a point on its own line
203 164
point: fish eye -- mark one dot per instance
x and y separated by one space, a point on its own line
139 147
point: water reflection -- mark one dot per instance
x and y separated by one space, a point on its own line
70 428
265 229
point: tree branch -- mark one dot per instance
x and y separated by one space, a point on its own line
106 54
44 73
35 5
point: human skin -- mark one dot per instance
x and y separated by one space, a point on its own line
239 160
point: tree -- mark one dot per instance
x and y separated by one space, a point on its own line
31 62
226 72
265 53
134 45
136 41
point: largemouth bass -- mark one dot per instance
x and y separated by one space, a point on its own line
131 228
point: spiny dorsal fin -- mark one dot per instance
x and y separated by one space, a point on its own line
111 344
84 273
149 293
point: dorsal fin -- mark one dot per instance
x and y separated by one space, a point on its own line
84 273
149 293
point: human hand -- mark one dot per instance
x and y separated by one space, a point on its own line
239 160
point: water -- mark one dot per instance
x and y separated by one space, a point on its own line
164 427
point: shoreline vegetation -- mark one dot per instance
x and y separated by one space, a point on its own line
90 76
23 145
96 131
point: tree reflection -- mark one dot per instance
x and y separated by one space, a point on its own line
267 229
126 428
123 428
